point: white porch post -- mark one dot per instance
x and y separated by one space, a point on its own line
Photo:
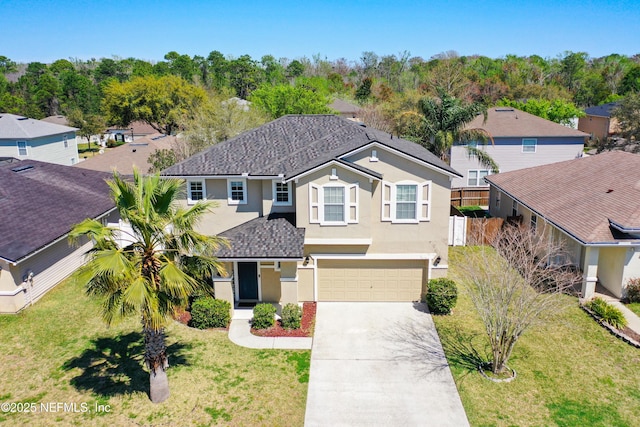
590 269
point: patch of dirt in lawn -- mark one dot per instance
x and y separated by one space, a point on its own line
306 325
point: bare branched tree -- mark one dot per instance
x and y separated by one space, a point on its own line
514 285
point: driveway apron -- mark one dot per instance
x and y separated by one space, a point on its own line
379 364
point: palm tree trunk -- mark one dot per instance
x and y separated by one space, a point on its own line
155 357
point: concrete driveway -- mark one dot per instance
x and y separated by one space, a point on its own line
379 364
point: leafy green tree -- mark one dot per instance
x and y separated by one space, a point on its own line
280 100
558 110
274 72
89 124
442 124
159 269
295 69
7 65
244 75
631 81
181 65
161 159
364 90
628 115
162 102
218 67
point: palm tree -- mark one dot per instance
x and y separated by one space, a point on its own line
163 262
442 125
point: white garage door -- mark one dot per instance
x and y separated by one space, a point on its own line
356 280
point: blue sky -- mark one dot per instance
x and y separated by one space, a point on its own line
36 30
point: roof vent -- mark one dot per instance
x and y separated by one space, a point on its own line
23 118
22 168
503 109
609 191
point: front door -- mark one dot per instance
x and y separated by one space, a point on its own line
248 280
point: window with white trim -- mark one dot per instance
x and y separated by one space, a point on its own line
529 145
514 208
237 191
22 148
476 177
196 190
281 193
333 204
406 201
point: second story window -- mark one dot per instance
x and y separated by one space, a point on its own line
281 193
476 178
237 191
196 191
529 145
22 148
406 201
333 204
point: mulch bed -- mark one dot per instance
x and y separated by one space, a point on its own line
306 325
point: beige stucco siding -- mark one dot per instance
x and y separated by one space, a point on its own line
270 283
616 266
305 284
321 177
422 237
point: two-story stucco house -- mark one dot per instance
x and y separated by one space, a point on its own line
30 139
319 208
520 140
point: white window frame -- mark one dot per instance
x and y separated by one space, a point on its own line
478 179
349 204
274 187
26 149
528 150
65 141
389 189
514 208
374 156
190 200
230 199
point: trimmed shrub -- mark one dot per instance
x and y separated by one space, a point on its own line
264 316
442 295
633 290
291 316
608 313
207 312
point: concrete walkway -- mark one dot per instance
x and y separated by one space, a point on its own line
379 364
240 334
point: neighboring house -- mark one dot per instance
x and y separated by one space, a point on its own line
318 208
598 122
39 204
25 138
125 157
135 130
346 110
520 140
591 204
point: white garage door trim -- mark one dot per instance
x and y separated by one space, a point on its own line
390 257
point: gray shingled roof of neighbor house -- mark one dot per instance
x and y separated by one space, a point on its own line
40 202
603 110
19 127
292 145
274 236
582 196
511 122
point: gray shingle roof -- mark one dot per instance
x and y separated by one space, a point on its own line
274 236
603 110
292 145
581 196
38 205
18 127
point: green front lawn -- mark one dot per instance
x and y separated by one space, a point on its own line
60 351
571 372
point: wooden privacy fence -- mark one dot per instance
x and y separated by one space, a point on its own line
481 231
469 197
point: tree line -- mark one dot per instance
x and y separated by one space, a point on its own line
185 93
